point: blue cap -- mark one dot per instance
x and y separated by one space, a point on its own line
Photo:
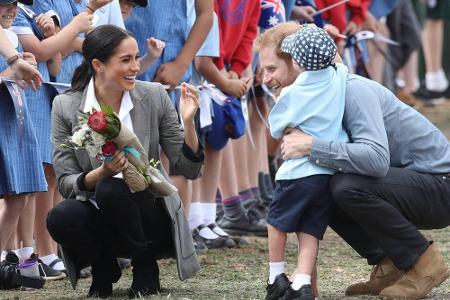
228 122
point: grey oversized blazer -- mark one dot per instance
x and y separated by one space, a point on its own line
155 122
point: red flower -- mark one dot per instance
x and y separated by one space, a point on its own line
109 148
97 121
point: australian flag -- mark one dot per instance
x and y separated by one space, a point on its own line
272 13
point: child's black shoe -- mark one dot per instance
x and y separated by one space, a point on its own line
304 293
278 287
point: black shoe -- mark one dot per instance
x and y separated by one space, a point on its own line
10 277
229 242
245 224
219 242
259 209
199 245
304 293
145 276
46 271
277 289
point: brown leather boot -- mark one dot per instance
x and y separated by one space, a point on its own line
428 272
383 275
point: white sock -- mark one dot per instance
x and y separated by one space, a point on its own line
24 253
275 269
3 255
436 81
209 212
208 234
48 259
300 280
195 215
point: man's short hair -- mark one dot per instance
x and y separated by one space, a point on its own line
275 35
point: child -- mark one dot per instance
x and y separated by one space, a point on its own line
301 199
155 47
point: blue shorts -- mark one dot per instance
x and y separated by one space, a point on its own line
301 205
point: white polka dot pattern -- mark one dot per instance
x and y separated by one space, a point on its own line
311 47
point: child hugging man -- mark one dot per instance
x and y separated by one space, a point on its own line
314 103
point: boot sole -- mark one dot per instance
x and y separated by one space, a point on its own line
438 281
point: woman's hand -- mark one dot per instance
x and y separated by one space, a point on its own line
189 102
117 164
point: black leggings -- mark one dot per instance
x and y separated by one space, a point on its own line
126 224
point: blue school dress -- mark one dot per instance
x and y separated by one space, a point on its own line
165 20
38 102
20 163
65 10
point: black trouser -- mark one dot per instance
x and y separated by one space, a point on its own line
125 225
381 216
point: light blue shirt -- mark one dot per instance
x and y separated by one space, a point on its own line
315 104
165 20
66 11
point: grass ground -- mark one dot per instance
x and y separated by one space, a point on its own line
241 273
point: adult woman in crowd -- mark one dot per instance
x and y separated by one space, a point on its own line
100 218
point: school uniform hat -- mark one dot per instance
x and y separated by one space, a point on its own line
311 47
141 3
26 2
228 122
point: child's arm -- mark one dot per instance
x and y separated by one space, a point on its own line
172 72
48 48
155 49
48 28
28 57
206 67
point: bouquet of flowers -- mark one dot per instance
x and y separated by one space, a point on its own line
101 134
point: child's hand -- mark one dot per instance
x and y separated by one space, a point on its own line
29 58
235 87
189 102
46 24
96 4
155 47
83 22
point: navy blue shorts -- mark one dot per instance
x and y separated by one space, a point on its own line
301 205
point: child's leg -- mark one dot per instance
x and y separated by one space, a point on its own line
308 248
12 207
277 245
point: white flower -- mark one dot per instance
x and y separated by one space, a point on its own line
78 138
93 150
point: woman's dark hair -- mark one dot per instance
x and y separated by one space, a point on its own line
101 43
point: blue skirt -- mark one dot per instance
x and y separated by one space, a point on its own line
39 108
21 169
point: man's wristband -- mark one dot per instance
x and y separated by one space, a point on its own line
13 59
88 7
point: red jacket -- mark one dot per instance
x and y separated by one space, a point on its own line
238 27
338 16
